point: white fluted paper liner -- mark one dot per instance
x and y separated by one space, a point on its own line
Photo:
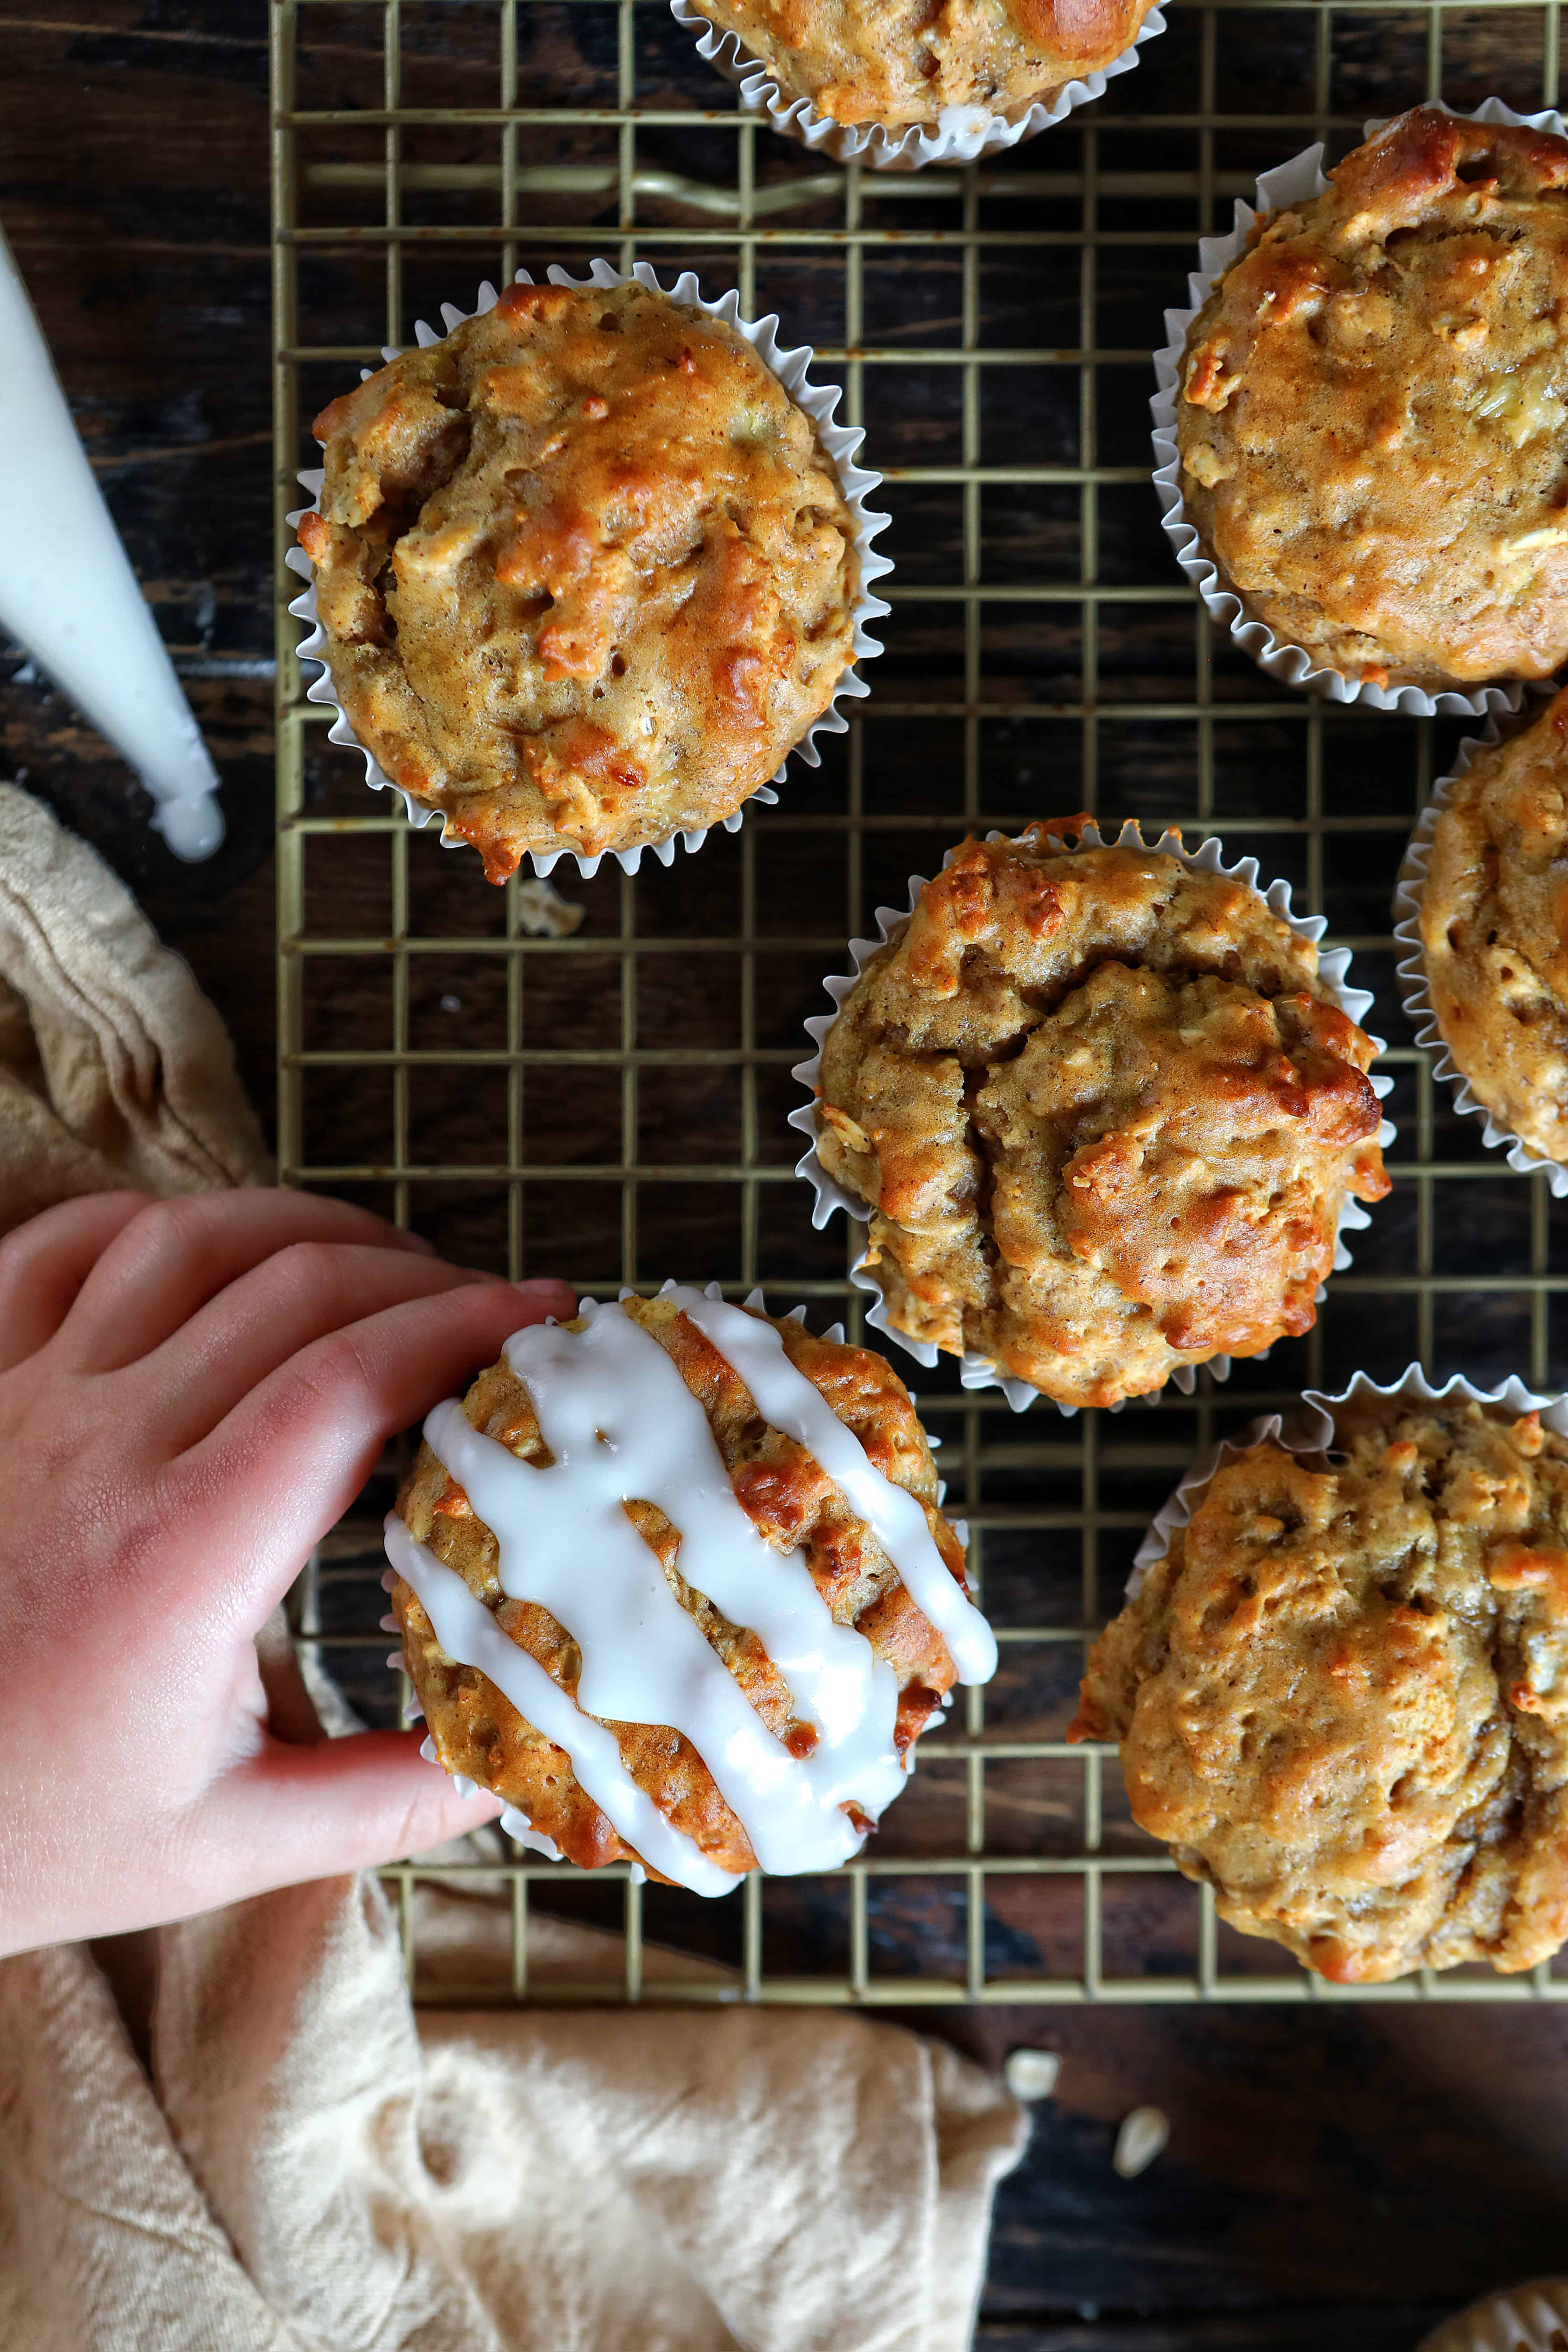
978 1371
1411 973
1532 2318
962 134
1289 184
1316 1434
842 444
517 1825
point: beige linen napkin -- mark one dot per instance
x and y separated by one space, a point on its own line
311 2165
306 2164
115 1072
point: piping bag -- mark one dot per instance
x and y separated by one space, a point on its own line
68 595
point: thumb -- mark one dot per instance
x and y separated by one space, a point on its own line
290 1813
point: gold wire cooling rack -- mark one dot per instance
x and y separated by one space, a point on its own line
608 1100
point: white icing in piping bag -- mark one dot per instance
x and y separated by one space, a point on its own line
622 1426
68 594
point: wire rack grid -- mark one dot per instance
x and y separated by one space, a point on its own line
598 1084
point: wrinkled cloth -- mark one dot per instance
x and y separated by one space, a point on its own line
310 2163
115 1072
238 2135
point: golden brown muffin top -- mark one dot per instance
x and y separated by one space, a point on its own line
791 1502
905 61
1341 1697
1373 408
1104 1112
1494 929
584 569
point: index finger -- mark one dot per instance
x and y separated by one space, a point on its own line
174 1256
281 1469
44 1264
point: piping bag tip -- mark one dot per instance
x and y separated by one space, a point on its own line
68 595
193 827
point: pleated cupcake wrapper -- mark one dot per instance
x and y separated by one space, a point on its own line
1532 2318
1315 1434
979 1371
842 444
1289 184
516 1824
1411 972
962 134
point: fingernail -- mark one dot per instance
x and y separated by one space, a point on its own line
549 1291
546 1290
416 1241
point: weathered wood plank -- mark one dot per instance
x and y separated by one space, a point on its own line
1331 2327
1404 2156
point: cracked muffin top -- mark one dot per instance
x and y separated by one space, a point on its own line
905 61
1341 1697
584 569
1104 1114
1494 929
1373 398
776 1615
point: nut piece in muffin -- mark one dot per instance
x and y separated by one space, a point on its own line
1494 929
1104 1114
682 1635
907 63
1342 1695
1373 407
585 571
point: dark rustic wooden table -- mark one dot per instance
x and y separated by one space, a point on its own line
1335 2177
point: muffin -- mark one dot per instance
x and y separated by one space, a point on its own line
1342 1696
1493 921
908 64
673 1582
585 572
1103 1111
1372 408
1520 2319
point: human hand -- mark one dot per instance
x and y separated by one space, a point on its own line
191 1393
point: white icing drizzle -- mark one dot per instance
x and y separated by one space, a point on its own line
622 1426
468 1633
786 1398
622 1423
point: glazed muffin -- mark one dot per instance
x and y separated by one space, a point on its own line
673 1582
1341 1697
1104 1112
585 570
865 61
1494 929
1371 411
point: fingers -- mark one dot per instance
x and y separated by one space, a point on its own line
44 1264
283 1466
290 1813
184 1388
177 1254
284 1815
